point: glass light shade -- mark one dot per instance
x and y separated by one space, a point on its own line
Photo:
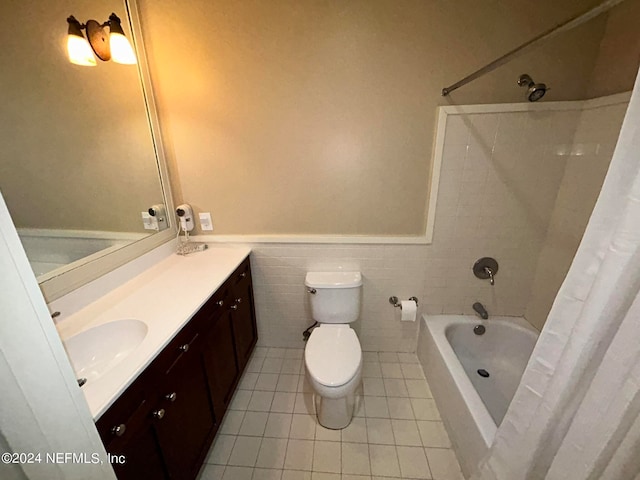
121 51
79 51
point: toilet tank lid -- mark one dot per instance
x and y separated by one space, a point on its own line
333 279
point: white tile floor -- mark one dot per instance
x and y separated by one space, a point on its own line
270 431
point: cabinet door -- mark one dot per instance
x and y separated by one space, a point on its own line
220 359
128 435
141 455
243 314
184 420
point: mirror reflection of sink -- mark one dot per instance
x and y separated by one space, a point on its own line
97 350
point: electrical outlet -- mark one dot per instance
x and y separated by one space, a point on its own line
149 222
205 221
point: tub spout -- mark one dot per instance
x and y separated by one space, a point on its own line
480 310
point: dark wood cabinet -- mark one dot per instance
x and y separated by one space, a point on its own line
184 419
141 455
127 432
165 422
243 314
231 334
220 359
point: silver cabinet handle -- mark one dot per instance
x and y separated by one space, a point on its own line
119 430
158 414
243 274
184 348
171 396
239 300
220 303
233 307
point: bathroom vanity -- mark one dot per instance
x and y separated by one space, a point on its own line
162 421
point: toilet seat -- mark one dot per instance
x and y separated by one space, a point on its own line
333 354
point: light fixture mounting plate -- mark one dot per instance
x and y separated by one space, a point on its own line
99 40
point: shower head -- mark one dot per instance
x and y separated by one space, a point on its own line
535 91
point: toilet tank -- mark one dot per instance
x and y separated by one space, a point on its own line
334 296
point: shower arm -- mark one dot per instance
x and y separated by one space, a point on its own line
552 32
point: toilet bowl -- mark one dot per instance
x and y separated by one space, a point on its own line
333 361
333 357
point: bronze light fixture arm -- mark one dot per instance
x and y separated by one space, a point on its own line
97 35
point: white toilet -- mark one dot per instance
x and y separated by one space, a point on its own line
333 357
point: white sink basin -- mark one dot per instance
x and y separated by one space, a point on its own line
98 349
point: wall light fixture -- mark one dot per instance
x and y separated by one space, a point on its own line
107 45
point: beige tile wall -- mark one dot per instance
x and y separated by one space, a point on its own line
499 180
587 163
281 298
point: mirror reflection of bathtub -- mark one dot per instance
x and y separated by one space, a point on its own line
52 252
473 405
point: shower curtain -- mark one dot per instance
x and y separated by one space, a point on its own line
575 414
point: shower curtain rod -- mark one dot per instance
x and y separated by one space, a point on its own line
552 32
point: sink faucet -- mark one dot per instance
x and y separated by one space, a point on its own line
480 310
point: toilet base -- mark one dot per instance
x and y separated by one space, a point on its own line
335 413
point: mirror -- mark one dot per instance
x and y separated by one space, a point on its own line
79 164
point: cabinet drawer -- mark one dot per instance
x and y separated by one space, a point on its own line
184 343
214 306
242 273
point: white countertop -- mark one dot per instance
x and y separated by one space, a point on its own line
164 297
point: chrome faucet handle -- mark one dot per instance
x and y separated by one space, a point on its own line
486 267
489 273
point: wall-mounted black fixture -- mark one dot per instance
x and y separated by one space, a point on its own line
107 45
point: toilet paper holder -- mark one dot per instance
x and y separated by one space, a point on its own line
396 303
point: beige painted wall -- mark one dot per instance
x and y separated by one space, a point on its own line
307 117
619 54
76 148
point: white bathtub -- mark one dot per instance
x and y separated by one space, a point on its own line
50 251
473 406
